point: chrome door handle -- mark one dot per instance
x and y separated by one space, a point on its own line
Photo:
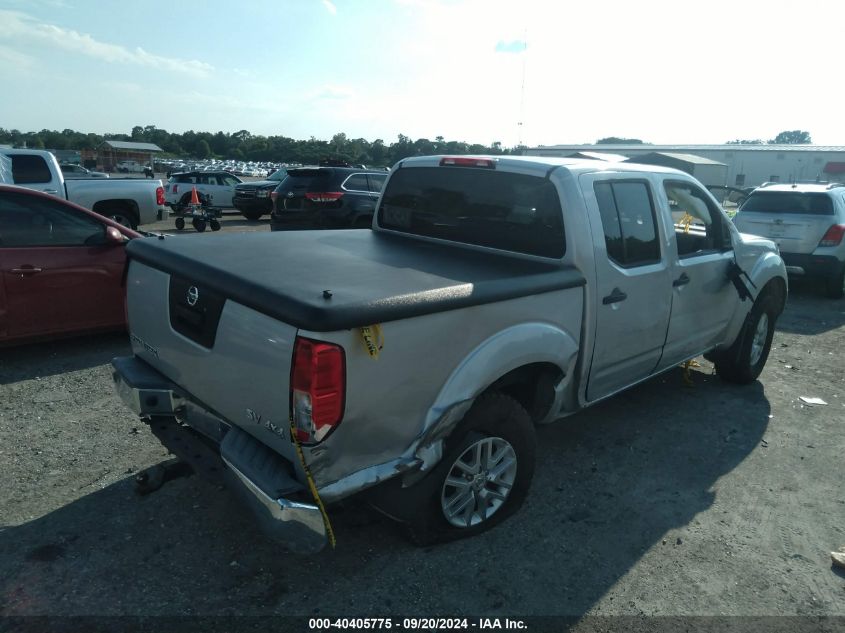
50 191
29 270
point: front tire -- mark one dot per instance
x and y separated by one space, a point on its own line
199 224
180 223
483 478
743 362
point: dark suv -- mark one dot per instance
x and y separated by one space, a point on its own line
326 198
252 199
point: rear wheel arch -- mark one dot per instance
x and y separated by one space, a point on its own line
532 386
122 211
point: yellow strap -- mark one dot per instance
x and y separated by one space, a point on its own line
373 340
312 486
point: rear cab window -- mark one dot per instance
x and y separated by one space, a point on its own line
495 209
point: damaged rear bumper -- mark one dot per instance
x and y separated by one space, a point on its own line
263 479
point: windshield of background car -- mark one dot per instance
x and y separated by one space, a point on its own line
279 174
788 202
497 209
308 179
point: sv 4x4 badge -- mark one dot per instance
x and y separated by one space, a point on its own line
268 424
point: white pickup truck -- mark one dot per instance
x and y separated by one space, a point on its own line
129 201
408 364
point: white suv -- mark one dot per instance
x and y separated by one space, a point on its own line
807 221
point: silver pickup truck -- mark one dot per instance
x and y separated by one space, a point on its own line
128 201
409 364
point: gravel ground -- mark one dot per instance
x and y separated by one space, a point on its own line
665 500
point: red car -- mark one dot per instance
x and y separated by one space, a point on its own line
61 268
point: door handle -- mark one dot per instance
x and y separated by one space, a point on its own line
26 270
51 191
683 280
614 297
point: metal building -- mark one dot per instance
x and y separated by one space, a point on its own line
745 165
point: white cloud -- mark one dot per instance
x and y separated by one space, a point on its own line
330 7
12 60
15 25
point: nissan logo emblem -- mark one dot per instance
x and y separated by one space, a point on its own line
193 296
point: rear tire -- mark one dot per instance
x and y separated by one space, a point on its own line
199 224
483 478
122 217
180 223
214 224
745 359
835 286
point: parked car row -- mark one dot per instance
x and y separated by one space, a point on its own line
328 196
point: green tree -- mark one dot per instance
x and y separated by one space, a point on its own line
792 137
615 140
203 150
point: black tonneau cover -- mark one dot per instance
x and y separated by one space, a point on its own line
371 277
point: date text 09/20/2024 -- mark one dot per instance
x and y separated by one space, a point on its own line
411 624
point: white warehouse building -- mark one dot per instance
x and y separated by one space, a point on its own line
744 165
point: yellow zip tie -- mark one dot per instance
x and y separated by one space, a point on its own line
373 339
312 486
687 378
686 221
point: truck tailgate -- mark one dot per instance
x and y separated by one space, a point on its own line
232 359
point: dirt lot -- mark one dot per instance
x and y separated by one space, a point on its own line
709 500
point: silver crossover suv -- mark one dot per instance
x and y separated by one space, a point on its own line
807 221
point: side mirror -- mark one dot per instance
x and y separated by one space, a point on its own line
113 236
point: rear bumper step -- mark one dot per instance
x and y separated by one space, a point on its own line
263 479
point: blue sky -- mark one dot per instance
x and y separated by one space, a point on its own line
472 70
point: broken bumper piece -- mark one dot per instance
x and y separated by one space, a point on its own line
263 479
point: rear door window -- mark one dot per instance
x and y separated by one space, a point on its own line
28 169
356 182
628 219
788 202
497 209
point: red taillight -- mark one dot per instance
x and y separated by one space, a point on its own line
464 161
175 189
325 196
159 196
834 235
318 386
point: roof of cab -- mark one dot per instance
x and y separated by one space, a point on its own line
546 164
